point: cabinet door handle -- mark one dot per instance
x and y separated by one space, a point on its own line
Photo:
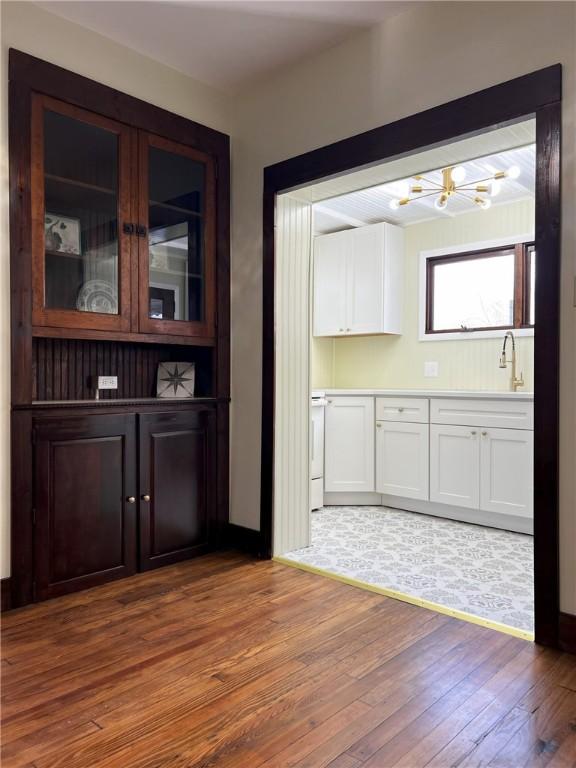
484 434
473 433
378 424
145 497
140 230
131 499
128 229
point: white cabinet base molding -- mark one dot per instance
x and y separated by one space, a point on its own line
449 511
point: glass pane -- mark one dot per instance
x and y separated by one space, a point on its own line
81 215
474 293
532 298
175 237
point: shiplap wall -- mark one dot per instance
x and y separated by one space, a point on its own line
292 408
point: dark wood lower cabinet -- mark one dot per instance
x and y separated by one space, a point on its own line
85 522
176 454
117 493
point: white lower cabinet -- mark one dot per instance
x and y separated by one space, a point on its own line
349 445
487 469
402 459
506 471
455 465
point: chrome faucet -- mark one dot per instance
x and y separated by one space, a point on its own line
514 381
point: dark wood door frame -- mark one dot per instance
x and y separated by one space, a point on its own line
539 95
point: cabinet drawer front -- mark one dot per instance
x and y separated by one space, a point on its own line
402 409
511 414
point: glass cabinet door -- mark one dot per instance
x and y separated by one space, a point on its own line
80 202
176 243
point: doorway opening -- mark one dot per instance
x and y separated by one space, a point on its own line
406 303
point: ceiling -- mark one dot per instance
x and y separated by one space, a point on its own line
226 43
363 197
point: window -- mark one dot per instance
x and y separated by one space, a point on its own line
483 290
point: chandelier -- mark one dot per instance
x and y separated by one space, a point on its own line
453 183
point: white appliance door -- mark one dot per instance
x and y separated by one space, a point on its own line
316 441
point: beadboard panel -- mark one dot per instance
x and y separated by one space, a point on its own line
292 408
66 369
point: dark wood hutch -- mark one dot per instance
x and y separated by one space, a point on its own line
119 237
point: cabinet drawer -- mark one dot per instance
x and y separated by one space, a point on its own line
511 414
402 409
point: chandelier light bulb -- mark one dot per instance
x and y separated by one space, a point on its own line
440 203
495 188
394 204
483 202
513 172
403 188
458 174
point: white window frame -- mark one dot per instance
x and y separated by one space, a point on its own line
500 242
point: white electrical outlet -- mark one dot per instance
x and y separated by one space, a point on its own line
431 369
107 382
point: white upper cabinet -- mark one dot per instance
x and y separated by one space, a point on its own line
349 445
330 256
358 281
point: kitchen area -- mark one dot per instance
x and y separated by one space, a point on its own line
422 407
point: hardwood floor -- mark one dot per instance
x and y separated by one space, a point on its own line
226 661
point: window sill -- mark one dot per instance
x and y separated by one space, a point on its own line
469 335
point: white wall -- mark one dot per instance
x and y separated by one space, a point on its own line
397 362
32 30
422 58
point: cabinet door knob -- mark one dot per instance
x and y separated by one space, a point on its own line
131 499
400 410
473 432
378 424
484 434
145 497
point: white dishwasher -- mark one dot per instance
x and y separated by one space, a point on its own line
317 404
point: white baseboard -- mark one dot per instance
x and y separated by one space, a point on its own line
476 516
352 499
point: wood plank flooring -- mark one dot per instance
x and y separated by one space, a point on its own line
227 661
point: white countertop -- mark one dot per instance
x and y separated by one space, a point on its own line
455 393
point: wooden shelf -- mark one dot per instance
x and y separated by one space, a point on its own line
46 332
81 184
177 208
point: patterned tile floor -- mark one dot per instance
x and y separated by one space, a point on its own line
482 571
